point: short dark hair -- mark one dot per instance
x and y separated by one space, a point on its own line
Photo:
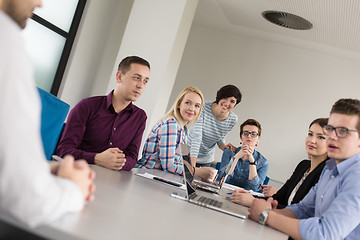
251 122
347 106
124 65
322 122
228 91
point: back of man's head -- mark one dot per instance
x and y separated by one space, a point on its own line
124 65
347 106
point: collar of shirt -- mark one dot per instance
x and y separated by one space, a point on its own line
343 166
129 107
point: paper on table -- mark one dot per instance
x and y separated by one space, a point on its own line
233 187
162 180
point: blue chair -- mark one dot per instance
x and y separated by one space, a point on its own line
53 114
218 164
266 181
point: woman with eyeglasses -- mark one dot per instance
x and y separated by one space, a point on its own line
305 175
250 165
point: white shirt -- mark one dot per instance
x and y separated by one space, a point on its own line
28 191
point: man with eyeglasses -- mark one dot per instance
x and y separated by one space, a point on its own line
331 210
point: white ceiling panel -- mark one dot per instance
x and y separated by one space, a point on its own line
336 23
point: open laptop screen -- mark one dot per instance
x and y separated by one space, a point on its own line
188 169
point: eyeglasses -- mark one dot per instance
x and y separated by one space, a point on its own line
253 134
341 132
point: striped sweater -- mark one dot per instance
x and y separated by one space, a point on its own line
209 131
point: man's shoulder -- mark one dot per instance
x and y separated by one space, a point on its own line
9 28
90 103
353 166
94 99
12 43
139 111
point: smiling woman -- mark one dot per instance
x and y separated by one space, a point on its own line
215 122
162 147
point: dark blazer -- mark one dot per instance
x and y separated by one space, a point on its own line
284 192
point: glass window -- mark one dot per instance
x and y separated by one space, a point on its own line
45 48
49 36
58 12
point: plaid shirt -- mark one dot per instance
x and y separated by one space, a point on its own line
161 148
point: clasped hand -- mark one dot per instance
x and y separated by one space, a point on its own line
246 153
112 158
77 171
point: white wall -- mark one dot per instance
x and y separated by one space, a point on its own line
95 49
110 30
283 87
156 30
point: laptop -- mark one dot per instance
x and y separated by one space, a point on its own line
219 179
207 199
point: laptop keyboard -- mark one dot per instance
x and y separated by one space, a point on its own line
209 201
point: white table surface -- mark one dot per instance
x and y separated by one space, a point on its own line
128 206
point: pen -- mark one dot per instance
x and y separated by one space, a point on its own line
228 197
167 181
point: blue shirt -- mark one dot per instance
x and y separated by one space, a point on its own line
240 177
331 210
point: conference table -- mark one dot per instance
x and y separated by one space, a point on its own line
128 206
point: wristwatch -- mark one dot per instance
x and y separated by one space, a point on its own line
263 216
252 163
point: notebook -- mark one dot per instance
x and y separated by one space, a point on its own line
206 199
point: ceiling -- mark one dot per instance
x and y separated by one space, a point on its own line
336 23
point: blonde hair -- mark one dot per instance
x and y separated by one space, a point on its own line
174 110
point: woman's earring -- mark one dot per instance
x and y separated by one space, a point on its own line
256 144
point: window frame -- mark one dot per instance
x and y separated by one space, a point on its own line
69 41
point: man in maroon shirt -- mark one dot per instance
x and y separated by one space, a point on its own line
107 130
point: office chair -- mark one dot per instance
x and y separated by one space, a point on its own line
53 114
266 181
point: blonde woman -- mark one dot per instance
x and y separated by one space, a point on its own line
161 148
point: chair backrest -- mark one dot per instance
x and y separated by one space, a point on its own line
53 114
266 181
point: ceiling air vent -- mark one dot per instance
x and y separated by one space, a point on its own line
287 20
